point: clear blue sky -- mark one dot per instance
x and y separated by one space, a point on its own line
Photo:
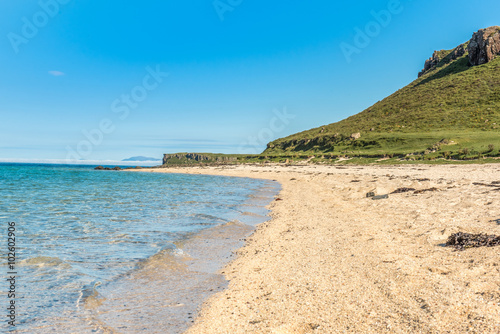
231 66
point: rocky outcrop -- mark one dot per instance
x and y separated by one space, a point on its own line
484 46
430 63
195 158
355 136
225 159
168 158
107 168
443 57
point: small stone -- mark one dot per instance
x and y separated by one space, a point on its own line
356 135
380 197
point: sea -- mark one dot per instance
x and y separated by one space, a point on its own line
116 251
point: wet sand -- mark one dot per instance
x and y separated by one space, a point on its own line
333 261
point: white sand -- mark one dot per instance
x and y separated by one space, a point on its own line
333 261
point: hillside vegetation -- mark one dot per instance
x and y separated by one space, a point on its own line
451 111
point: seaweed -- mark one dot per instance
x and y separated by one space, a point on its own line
425 190
402 190
462 240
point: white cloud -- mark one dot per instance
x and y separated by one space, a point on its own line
56 73
81 162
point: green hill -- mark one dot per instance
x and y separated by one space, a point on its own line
451 110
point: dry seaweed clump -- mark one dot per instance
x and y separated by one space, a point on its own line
466 240
402 190
425 190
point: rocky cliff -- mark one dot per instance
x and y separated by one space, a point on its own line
482 48
443 57
190 158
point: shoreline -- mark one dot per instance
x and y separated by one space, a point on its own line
169 287
331 260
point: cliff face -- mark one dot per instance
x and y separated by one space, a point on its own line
443 57
482 48
189 158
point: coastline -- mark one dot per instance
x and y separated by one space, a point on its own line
331 260
168 288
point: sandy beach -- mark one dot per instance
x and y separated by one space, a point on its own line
331 260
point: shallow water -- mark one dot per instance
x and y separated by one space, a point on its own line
118 252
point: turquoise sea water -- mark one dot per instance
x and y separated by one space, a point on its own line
93 243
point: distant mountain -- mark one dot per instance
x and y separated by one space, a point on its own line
140 158
452 108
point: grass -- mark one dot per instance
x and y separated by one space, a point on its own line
462 156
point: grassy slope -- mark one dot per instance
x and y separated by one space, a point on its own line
454 102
